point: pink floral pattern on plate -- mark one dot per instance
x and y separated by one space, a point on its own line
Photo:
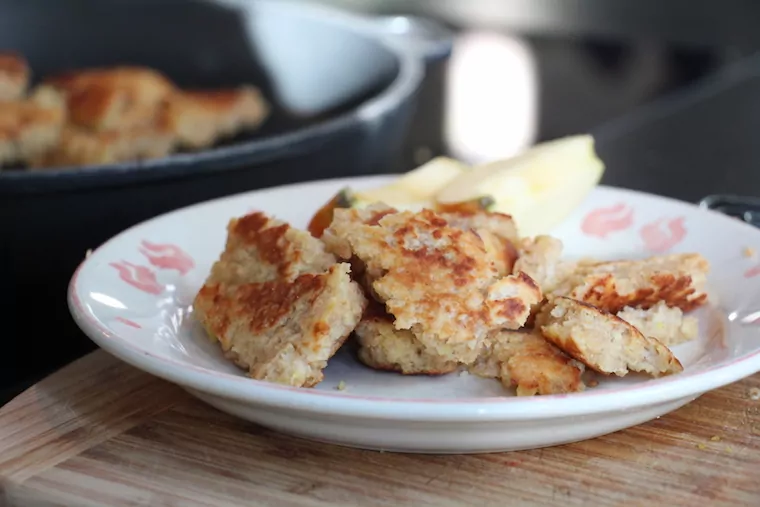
602 222
165 256
140 277
663 234
127 322
162 256
752 272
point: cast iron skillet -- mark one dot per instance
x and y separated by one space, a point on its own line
204 44
342 87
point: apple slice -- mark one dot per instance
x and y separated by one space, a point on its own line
539 187
419 185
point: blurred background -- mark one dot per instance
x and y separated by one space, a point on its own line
531 70
670 90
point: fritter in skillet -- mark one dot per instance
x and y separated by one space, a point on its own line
28 128
112 99
81 147
201 118
14 76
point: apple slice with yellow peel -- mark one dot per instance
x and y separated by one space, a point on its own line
539 187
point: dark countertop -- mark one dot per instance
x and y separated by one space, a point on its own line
700 141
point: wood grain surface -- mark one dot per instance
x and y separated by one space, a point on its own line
100 432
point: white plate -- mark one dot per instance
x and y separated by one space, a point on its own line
132 296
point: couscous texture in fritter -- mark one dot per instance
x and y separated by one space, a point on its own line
433 293
278 304
438 281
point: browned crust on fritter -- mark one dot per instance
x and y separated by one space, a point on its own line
20 114
640 284
263 304
256 229
500 224
497 231
14 76
118 98
277 302
636 347
675 290
347 219
260 248
283 331
526 361
438 281
28 129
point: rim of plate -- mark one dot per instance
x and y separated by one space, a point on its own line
240 388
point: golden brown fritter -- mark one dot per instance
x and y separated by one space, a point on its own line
438 281
80 147
499 224
334 239
283 331
28 129
47 96
526 361
677 279
277 302
113 99
498 232
668 325
201 118
383 347
260 249
14 76
602 341
541 259
348 219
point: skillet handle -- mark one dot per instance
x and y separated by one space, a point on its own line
424 37
744 208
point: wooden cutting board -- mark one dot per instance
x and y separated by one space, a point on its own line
100 432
